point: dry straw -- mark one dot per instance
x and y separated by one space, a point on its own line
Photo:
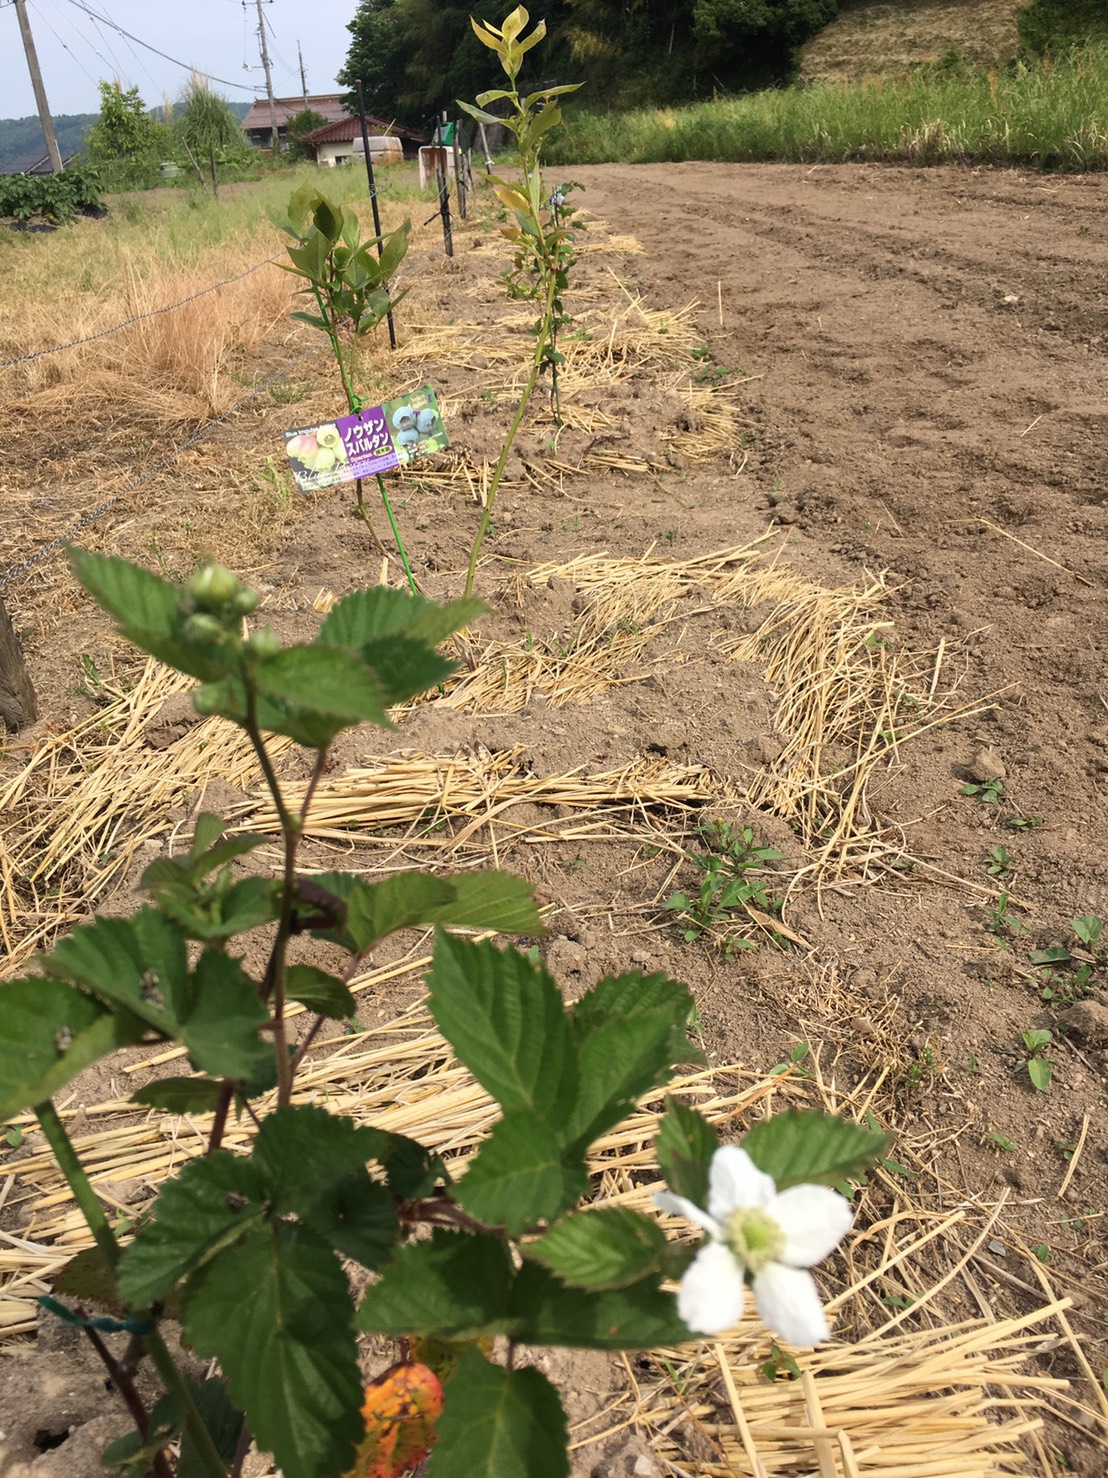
904 1394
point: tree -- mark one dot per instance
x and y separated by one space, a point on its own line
298 128
377 57
205 123
126 142
416 56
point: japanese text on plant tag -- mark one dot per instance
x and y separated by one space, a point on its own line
379 438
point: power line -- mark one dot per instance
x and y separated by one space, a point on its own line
61 43
186 66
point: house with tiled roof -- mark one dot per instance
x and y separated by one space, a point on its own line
339 142
256 125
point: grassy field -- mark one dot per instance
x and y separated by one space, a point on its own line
1053 115
152 250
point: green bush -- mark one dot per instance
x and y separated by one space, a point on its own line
55 197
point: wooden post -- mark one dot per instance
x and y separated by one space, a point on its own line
17 696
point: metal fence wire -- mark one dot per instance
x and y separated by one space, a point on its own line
138 317
102 508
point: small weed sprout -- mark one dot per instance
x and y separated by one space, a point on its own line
1001 920
998 864
731 888
1040 1068
538 222
989 791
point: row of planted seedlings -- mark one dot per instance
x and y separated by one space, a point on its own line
257 1256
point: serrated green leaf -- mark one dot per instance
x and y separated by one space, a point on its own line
633 993
619 1062
179 1095
410 1168
357 1218
801 1147
479 900
51 1033
521 1176
302 1150
608 1248
405 666
274 1309
639 1317
370 615
223 1421
219 1013
499 1423
326 680
455 1286
319 991
131 595
505 1021
206 831
210 1204
88 1276
685 1145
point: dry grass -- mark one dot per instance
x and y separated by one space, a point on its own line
916 1389
870 38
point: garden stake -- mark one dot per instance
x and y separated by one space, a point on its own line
373 197
458 185
444 188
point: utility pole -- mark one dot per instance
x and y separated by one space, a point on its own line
276 141
40 91
303 79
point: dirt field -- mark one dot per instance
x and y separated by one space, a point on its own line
912 373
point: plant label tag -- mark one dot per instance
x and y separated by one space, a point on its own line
378 438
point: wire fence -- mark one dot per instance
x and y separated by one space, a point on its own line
138 317
102 508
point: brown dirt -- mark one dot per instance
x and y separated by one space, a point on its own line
920 358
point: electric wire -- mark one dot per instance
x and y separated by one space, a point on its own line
186 66
63 44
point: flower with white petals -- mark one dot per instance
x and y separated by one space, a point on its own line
770 1236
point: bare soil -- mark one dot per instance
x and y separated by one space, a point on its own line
921 358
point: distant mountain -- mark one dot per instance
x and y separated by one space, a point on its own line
22 137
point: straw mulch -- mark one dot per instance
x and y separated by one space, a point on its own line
906 1393
86 801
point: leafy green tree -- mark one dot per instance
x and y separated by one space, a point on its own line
298 128
126 142
417 56
205 122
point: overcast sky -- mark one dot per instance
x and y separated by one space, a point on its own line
216 36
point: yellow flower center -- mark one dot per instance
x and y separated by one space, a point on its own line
754 1238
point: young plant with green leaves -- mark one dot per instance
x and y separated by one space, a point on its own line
252 1252
731 889
350 285
542 234
1040 1067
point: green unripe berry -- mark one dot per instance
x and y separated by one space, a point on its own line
245 601
201 627
213 585
263 645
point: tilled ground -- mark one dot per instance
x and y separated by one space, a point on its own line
920 356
